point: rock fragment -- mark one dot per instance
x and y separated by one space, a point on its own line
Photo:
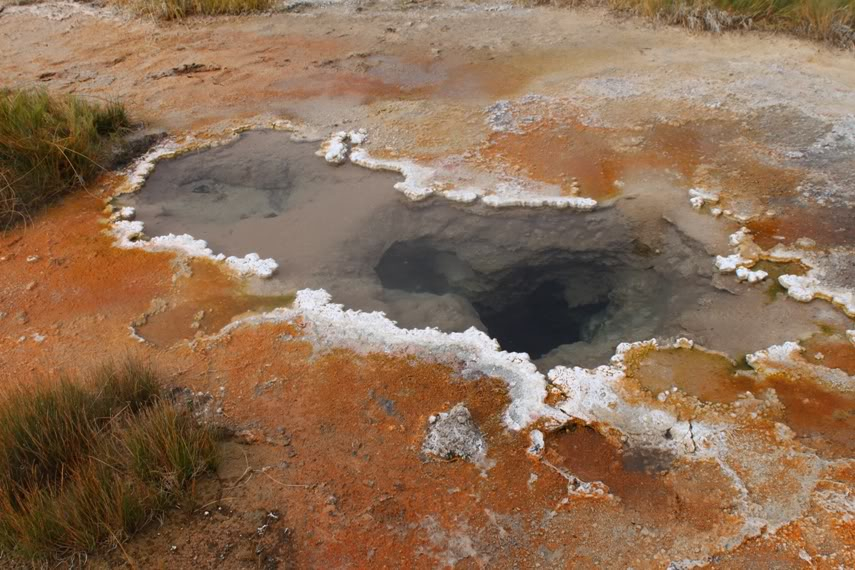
454 435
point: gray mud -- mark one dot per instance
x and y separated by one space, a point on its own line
564 286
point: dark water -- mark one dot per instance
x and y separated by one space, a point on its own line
561 284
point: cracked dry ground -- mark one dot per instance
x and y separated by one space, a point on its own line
327 469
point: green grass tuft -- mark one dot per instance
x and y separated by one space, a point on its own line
164 446
87 464
179 9
49 145
129 385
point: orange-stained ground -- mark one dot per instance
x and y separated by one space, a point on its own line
331 443
327 453
63 279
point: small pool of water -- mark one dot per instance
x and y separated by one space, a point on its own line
564 286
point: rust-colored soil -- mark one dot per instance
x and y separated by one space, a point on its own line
325 468
63 280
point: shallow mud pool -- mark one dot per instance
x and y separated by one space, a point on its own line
561 285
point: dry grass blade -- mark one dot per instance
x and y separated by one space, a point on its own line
832 21
179 9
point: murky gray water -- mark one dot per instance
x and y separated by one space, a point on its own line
564 286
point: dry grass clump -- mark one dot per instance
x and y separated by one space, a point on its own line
178 9
831 20
827 20
50 144
82 466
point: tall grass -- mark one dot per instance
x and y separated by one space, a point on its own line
84 465
828 20
178 9
50 144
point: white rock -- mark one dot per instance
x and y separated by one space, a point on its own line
537 201
537 443
252 264
129 236
699 196
744 274
729 264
